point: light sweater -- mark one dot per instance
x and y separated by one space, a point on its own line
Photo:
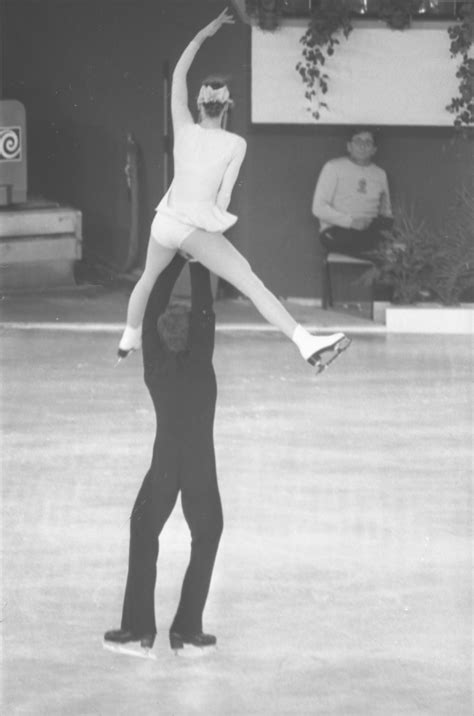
346 191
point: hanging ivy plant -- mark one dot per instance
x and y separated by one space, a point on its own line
397 14
462 35
330 19
267 13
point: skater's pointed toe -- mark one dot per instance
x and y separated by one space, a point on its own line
121 353
131 341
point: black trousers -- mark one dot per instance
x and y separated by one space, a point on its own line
203 513
355 243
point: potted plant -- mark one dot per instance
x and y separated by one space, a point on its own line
452 273
404 260
430 269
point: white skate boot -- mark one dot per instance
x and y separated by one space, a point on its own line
131 341
317 348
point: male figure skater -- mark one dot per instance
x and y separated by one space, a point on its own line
178 347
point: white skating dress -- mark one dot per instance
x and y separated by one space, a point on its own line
206 163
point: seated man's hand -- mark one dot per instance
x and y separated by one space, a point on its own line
360 224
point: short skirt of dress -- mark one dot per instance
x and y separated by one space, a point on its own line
169 232
173 224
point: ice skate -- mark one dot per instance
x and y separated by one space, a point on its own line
192 645
131 341
324 350
122 641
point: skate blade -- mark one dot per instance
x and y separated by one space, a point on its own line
125 354
320 364
188 651
127 650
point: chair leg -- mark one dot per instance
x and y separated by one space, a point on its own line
372 298
324 287
329 284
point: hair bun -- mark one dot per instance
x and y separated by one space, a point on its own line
208 94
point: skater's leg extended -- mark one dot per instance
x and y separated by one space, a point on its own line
158 258
217 253
223 259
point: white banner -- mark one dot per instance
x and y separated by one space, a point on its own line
377 76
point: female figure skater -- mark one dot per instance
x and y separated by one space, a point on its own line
192 215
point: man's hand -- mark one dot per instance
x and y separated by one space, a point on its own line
187 256
225 18
360 224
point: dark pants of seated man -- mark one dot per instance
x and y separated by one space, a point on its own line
355 243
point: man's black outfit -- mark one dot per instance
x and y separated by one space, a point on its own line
183 389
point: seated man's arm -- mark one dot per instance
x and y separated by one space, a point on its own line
157 303
384 220
323 200
385 207
203 320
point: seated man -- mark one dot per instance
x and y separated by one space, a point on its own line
352 199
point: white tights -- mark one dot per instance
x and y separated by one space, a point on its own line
216 253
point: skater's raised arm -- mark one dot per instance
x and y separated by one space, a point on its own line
203 320
157 304
180 113
231 173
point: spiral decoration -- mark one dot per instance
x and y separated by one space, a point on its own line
10 144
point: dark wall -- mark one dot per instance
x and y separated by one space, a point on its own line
90 71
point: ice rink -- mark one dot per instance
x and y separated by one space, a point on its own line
342 586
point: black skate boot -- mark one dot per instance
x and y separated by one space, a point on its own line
123 641
192 644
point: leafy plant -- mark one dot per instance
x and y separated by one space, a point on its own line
462 35
404 259
332 19
329 20
397 14
420 262
267 13
453 259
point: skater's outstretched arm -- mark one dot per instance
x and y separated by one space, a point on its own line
203 320
157 304
180 113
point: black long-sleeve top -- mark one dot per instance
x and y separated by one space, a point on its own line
182 385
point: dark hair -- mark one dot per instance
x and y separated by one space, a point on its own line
173 327
354 131
214 109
